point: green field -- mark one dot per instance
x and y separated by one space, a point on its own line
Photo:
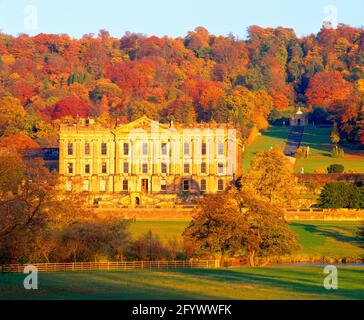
327 239
236 284
274 136
318 139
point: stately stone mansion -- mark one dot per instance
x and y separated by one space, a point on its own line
145 162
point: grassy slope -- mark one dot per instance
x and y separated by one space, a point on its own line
244 283
331 239
274 136
318 139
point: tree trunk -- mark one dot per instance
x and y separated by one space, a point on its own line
251 256
222 260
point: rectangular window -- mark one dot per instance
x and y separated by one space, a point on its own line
164 149
220 185
220 169
164 168
203 148
203 185
186 168
221 148
186 148
104 168
87 169
103 186
126 167
70 149
126 149
86 185
87 149
125 185
203 167
186 185
104 149
145 149
70 168
145 168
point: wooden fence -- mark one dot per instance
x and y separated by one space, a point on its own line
112 266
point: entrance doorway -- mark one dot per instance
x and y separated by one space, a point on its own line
137 201
145 185
299 122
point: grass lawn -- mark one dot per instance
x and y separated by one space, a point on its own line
237 284
318 139
329 239
274 136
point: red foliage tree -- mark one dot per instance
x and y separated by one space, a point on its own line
327 87
70 106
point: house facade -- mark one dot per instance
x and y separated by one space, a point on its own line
146 162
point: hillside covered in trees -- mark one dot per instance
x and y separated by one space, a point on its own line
200 77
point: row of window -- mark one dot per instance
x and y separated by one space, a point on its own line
145 168
186 185
164 149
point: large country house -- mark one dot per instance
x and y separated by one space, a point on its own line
146 162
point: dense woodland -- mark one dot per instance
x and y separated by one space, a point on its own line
200 77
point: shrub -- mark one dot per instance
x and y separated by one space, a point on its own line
336 168
337 153
341 195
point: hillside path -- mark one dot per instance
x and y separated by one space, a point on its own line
294 141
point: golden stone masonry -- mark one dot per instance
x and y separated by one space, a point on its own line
148 163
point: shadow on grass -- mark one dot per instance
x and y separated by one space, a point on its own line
336 235
281 283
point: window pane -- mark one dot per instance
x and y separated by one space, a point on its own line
125 185
145 149
186 168
221 168
164 168
104 168
186 148
70 149
87 149
203 149
145 168
126 167
221 185
221 148
203 167
164 149
126 149
104 149
70 168
186 185
203 185
87 168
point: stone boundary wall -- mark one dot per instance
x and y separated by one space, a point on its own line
333 177
186 214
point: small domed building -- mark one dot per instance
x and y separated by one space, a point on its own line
299 119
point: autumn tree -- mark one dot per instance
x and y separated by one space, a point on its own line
218 226
267 233
327 87
271 176
240 221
